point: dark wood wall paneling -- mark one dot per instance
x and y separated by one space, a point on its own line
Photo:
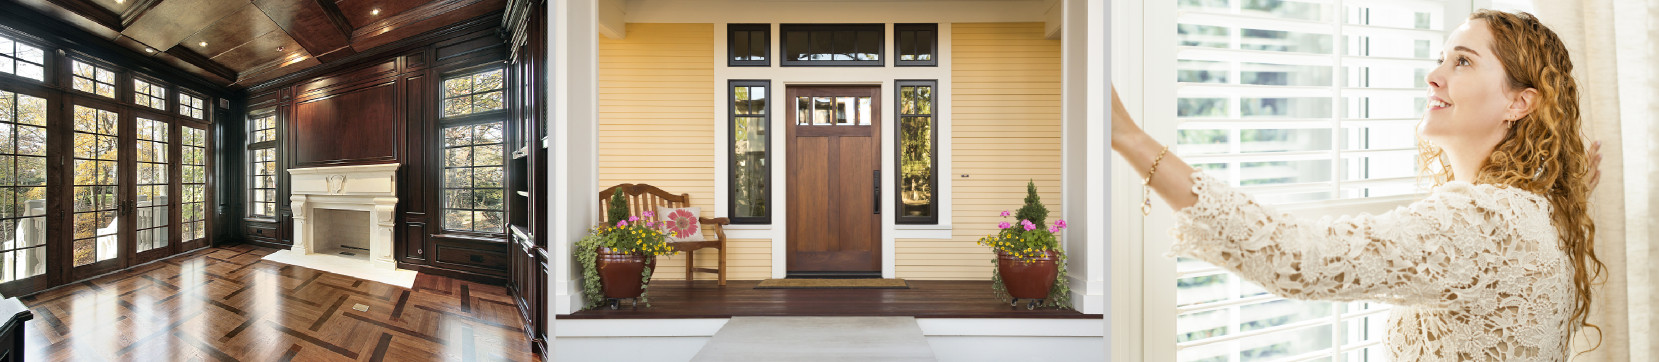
526 24
381 107
62 42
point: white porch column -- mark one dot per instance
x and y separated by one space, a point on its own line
380 242
573 28
302 223
1085 123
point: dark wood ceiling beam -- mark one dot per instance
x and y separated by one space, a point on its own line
337 17
136 10
188 56
92 12
307 22
412 22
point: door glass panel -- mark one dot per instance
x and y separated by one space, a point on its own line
823 109
96 185
152 216
844 110
22 186
193 206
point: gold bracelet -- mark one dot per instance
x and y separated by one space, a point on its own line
1146 190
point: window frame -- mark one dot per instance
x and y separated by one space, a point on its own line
898 151
933 44
167 99
119 87
731 152
766 41
502 117
881 44
252 164
46 64
180 93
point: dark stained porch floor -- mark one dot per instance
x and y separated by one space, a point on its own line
924 299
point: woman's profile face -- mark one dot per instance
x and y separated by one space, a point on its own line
1469 95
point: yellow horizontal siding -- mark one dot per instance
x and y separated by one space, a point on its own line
656 126
1005 125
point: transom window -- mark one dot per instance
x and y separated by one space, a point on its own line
917 147
749 44
21 59
474 93
916 44
264 128
832 44
149 94
192 106
23 192
832 111
93 79
473 178
193 206
750 160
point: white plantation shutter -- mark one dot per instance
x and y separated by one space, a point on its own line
1301 104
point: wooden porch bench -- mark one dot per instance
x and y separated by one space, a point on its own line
643 197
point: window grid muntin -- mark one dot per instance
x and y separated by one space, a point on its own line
919 42
148 94
151 215
750 129
470 176
97 149
193 180
92 79
23 119
741 42
1355 328
22 59
924 111
810 38
462 94
262 185
192 106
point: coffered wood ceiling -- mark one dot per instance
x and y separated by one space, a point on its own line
239 43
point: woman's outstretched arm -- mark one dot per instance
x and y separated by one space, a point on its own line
1173 180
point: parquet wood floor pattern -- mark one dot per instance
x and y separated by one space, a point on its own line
226 304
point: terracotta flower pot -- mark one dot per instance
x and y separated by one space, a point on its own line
620 274
1028 280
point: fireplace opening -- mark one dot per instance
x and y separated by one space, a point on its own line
342 232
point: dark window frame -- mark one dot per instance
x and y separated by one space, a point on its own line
731 153
932 44
167 99
502 117
783 44
252 164
118 87
180 92
46 57
748 29
898 154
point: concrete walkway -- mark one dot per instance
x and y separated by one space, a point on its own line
818 339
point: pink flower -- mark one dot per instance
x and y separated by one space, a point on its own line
648 214
1005 213
633 218
1054 228
622 224
1061 223
651 224
1029 226
1004 225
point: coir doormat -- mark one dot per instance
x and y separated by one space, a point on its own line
833 284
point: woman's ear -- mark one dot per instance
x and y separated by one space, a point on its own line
1522 104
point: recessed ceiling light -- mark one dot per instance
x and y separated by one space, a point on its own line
374 12
149 50
120 1
281 48
202 44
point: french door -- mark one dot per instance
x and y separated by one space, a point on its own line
123 185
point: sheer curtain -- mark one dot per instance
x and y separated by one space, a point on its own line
1613 49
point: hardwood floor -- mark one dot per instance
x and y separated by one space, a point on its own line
226 304
924 299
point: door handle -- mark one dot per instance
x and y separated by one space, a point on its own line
875 197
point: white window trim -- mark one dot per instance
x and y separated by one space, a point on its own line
780 78
1143 292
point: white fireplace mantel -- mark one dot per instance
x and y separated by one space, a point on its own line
371 188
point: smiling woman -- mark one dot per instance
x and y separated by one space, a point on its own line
1499 248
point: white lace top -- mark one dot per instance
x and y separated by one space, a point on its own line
1475 272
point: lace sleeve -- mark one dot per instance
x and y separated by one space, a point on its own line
1433 252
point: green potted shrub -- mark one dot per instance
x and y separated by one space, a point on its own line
1030 263
617 257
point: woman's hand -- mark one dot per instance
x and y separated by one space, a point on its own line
1173 179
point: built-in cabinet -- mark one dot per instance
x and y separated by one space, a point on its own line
526 21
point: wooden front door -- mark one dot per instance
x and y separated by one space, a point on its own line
833 176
